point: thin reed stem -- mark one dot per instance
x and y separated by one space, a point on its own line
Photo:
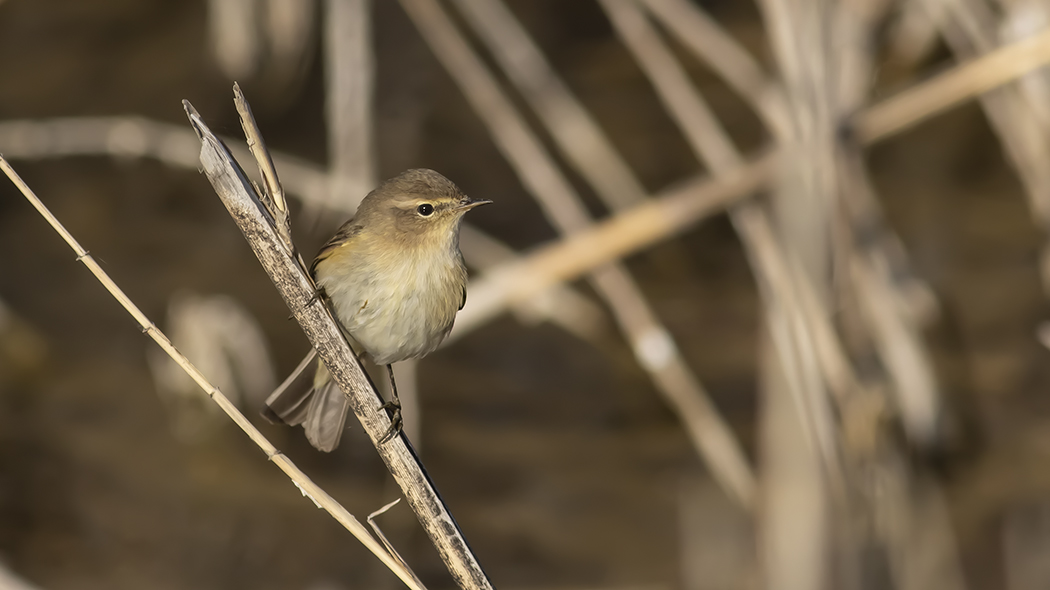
349 82
955 86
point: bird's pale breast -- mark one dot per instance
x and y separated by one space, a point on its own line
398 305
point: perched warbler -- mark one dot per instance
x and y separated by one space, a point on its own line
394 277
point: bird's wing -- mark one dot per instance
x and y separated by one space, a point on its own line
347 231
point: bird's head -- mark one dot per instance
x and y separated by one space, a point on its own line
417 206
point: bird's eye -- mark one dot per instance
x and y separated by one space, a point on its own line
425 209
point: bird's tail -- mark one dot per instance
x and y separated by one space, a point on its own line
311 398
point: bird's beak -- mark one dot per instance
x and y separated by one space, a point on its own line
470 204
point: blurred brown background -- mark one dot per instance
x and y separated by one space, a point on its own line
561 463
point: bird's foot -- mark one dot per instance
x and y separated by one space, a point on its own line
393 409
317 296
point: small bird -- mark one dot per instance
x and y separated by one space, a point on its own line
394 277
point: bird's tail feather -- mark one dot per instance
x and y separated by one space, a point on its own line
288 403
326 417
310 398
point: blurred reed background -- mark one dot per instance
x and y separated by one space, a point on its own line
800 341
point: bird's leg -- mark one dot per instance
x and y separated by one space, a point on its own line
396 423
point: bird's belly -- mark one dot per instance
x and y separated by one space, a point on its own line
395 320
391 337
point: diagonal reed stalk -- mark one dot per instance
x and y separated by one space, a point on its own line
349 82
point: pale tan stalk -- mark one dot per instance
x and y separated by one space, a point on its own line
234 37
642 226
723 54
797 443
955 86
349 81
575 132
969 28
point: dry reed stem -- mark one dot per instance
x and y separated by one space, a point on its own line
866 272
382 537
969 28
308 488
878 288
234 36
1017 114
567 308
805 197
802 341
326 337
1022 19
349 80
711 43
873 275
885 310
8 579
790 558
899 344
652 343
853 25
868 243
271 193
957 85
710 143
801 447
575 132
289 26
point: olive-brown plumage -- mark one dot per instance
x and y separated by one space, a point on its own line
394 278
